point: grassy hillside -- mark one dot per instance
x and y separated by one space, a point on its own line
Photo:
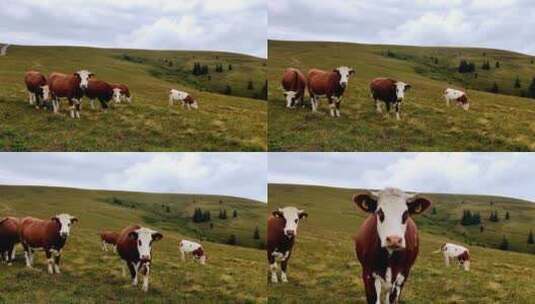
91 276
324 263
222 123
494 123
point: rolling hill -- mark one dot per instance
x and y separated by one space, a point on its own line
323 266
222 123
232 274
494 123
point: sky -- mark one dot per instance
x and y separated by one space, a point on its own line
234 174
230 25
502 174
502 24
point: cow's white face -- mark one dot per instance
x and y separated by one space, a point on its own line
117 95
144 238
195 105
46 92
392 207
65 222
401 88
292 216
84 78
345 73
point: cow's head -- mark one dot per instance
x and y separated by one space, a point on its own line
65 221
392 207
291 216
84 77
290 98
144 238
400 88
344 73
45 91
194 104
117 95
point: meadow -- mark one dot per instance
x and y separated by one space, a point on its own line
495 122
233 274
323 267
222 123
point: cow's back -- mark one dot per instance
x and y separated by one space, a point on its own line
294 80
36 232
34 80
383 89
9 231
98 89
126 246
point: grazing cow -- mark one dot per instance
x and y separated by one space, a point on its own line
293 84
185 98
134 246
109 238
71 87
389 91
452 251
98 89
50 235
386 244
459 97
121 93
282 231
9 237
330 84
38 90
193 248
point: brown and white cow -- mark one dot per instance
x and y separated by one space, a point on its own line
281 234
38 90
9 237
389 91
185 99
49 235
293 85
386 244
453 251
195 249
71 87
457 96
134 246
109 238
331 84
121 92
101 90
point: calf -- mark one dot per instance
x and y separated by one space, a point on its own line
98 89
452 251
121 93
185 98
389 91
293 85
9 237
134 246
330 84
458 96
193 248
109 238
38 90
71 87
386 244
281 234
49 235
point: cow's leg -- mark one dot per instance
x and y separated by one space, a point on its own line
27 255
30 98
55 105
57 258
446 259
332 106
338 104
394 293
49 261
104 247
467 265
273 268
284 268
135 267
397 107
313 103
10 255
372 297
71 107
183 255
146 272
103 104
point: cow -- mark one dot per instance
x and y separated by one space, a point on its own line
121 93
386 244
101 90
193 248
453 251
134 246
38 90
458 96
9 237
49 235
293 85
389 91
185 99
109 238
282 231
71 87
329 84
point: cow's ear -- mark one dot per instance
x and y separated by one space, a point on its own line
54 218
277 213
418 204
365 201
77 75
303 214
407 87
133 235
157 236
352 72
74 220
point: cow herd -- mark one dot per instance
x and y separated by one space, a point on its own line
332 85
386 244
133 244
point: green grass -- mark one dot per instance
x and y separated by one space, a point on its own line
494 122
324 269
232 273
223 123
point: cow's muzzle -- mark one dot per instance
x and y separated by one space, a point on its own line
290 233
145 259
394 242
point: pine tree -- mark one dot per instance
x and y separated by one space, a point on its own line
232 240
434 210
504 245
481 228
230 67
167 209
234 213
507 215
530 238
228 90
518 83
211 225
497 64
495 88
264 93
250 85
531 89
256 234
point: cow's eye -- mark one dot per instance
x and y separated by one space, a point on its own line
381 215
405 217
296 220
139 242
